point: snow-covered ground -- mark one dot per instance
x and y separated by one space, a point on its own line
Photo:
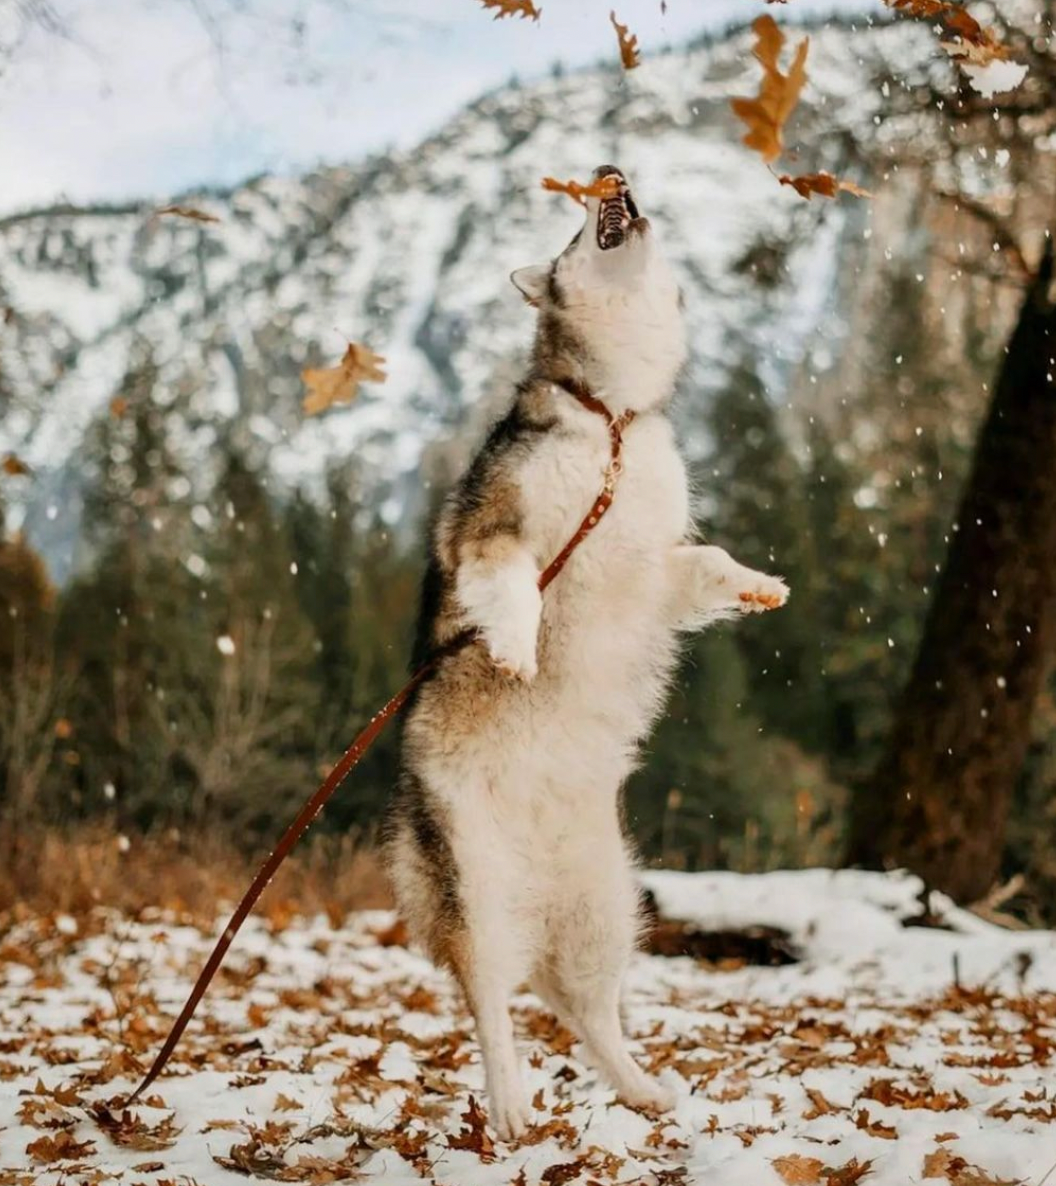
890 1054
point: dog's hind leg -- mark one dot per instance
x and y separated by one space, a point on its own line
486 966
588 949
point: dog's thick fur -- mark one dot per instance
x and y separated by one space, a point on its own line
504 843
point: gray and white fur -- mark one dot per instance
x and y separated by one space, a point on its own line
504 842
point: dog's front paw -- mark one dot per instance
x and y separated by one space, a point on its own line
513 650
758 592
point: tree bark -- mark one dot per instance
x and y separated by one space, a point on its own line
938 801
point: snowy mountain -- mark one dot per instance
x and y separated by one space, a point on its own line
411 254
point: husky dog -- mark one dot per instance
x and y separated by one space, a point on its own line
504 842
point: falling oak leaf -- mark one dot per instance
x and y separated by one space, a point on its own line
973 42
798 1171
977 53
768 112
630 55
14 466
337 385
188 212
823 184
521 8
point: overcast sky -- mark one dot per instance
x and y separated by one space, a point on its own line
150 97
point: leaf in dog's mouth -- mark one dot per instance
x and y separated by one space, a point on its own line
602 189
616 212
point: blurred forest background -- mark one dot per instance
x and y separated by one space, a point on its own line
172 708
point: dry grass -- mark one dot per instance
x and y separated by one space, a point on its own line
45 870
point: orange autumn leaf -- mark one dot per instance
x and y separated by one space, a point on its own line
768 112
875 1128
521 8
823 184
795 1170
606 187
126 1128
473 1135
979 52
327 386
188 212
848 1175
14 466
118 406
61 1147
942 1164
630 55
974 43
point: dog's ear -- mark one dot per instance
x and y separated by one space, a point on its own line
531 282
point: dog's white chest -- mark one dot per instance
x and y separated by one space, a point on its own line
607 634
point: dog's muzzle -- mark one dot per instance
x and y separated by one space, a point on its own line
616 216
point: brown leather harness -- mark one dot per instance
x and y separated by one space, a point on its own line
351 757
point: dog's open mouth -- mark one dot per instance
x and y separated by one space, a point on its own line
616 216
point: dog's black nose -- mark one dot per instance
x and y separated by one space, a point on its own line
609 171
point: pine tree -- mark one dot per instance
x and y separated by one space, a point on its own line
129 619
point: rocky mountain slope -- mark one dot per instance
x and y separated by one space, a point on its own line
411 253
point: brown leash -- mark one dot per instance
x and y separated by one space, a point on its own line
351 757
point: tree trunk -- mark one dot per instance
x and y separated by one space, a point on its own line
938 801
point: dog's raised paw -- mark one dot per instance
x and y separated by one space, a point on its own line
766 593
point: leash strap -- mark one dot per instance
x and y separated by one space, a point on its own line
366 738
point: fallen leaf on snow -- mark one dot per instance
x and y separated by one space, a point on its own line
473 1135
798 1171
847 1175
890 1094
61 1147
820 1106
338 385
874 1128
944 1164
768 112
132 1132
